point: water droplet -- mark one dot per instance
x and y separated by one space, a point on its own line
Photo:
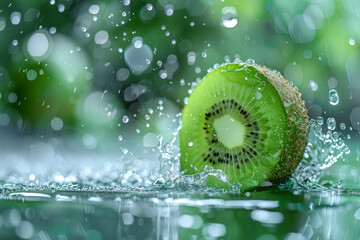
313 85
229 17
125 119
342 126
351 41
101 37
190 144
122 74
120 138
31 75
191 57
258 95
333 97
331 123
61 8
125 151
169 10
138 58
38 44
126 2
319 121
286 102
57 124
94 9
137 42
15 18
339 183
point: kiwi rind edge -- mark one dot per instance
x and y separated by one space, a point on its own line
297 121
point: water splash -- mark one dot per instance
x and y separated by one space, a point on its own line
333 97
322 151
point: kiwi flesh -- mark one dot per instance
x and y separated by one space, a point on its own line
246 120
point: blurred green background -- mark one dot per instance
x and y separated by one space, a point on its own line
118 73
71 67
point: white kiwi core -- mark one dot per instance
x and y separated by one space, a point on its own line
229 131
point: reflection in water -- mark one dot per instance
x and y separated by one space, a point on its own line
171 215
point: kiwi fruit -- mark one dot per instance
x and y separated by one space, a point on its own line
246 120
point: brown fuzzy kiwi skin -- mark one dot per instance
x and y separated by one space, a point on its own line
297 121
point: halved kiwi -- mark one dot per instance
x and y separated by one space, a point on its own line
246 120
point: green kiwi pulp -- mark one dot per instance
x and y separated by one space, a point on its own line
246 120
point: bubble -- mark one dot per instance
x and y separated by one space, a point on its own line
31 75
122 74
307 54
57 124
229 17
214 230
191 57
97 110
313 85
147 12
302 29
101 37
267 217
61 8
137 42
15 18
332 82
331 123
120 138
15 42
38 44
12 97
186 221
52 30
132 92
353 70
169 10
127 218
163 74
89 141
150 140
14 217
25 230
94 9
339 183
4 119
125 119
319 121
333 97
138 59
355 118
